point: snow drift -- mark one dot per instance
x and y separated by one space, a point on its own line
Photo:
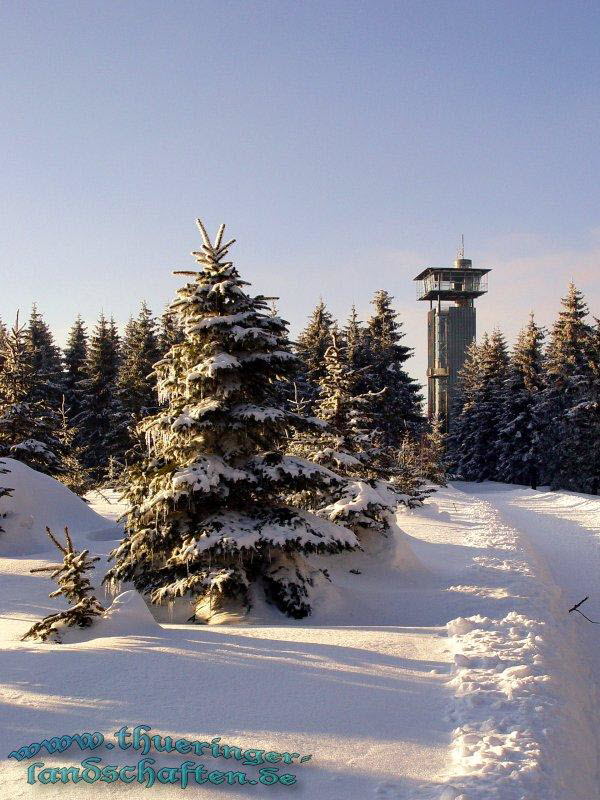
38 501
128 615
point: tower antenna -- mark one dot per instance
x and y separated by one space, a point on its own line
461 249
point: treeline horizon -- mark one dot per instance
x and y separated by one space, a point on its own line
531 415
71 411
101 382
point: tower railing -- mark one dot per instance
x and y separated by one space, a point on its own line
446 283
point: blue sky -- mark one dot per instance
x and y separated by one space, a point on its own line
345 144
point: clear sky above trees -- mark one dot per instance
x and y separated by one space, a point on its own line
347 144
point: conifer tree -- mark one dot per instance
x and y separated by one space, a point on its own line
579 466
459 413
354 335
102 424
570 338
28 426
586 416
75 586
432 454
75 359
170 332
140 351
411 466
46 361
377 482
73 472
115 339
473 450
3 334
568 374
136 380
519 428
397 410
209 513
311 346
348 432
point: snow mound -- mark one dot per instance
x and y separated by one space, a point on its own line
404 558
38 501
128 615
431 509
461 625
370 586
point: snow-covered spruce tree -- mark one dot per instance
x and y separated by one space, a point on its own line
139 353
136 379
46 362
28 426
587 417
410 466
102 424
464 396
76 476
357 349
73 473
563 442
519 427
473 449
209 514
75 358
463 400
48 389
577 469
376 482
75 586
397 408
170 331
380 480
310 347
3 334
432 454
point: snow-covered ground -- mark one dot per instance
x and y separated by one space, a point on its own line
443 666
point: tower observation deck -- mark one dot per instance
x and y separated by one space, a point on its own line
451 292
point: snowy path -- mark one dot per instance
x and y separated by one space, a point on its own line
564 527
452 673
525 707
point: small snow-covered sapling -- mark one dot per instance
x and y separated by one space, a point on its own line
75 586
